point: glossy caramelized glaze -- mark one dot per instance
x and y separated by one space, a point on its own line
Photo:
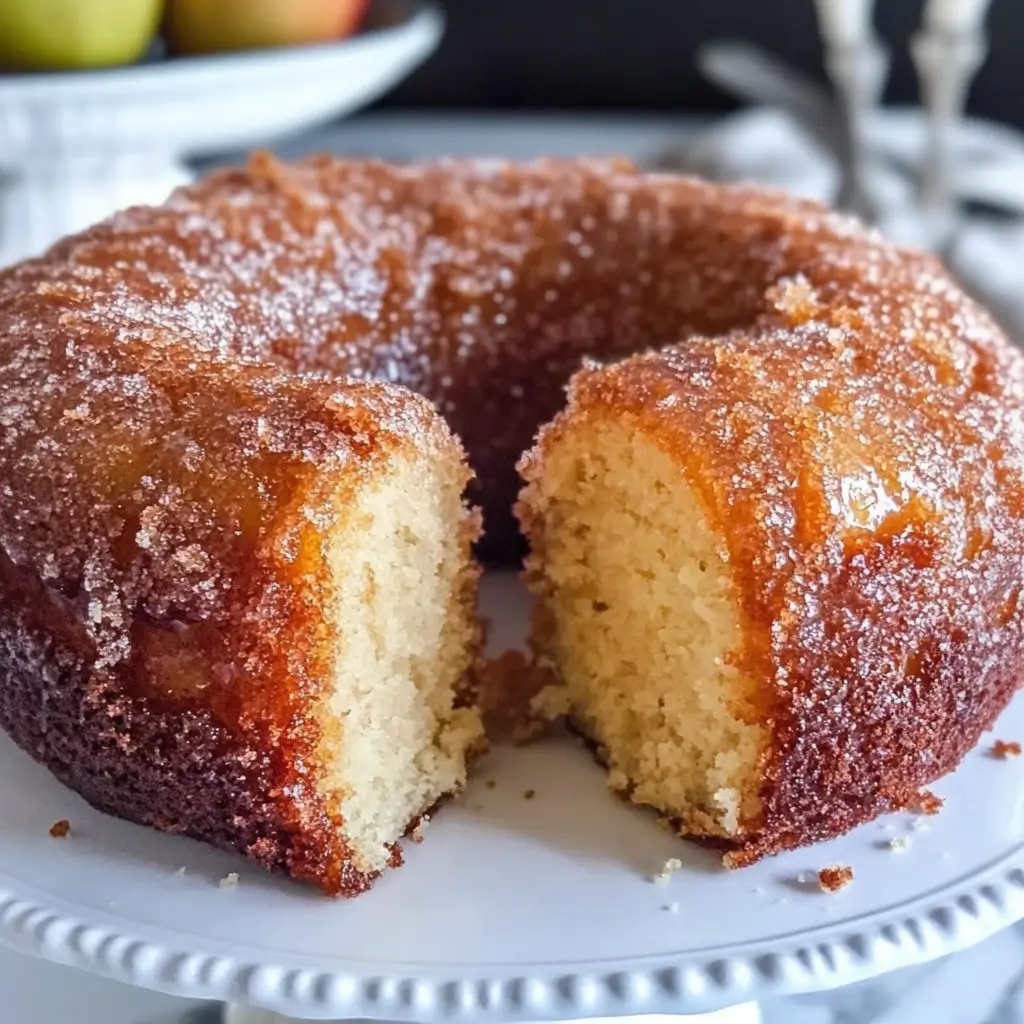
167 409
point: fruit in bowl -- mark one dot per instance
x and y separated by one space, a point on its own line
212 26
64 34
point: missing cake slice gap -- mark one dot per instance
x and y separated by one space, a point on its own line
636 609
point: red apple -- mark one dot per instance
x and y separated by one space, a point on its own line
40 34
211 26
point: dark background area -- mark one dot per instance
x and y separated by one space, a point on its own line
639 54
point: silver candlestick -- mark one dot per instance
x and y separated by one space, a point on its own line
857 64
946 63
858 71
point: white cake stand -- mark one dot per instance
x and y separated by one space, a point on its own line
514 908
76 146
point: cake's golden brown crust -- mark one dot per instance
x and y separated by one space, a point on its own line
170 442
860 449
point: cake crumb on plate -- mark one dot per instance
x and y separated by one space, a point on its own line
229 881
899 844
835 877
519 697
60 829
669 868
1004 751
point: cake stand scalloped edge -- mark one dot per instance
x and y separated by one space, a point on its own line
953 917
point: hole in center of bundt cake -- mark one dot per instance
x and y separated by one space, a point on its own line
406 626
636 608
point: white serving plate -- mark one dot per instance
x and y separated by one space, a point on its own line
77 146
513 908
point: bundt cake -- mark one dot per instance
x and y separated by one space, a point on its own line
777 564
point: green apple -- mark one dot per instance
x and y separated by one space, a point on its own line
56 34
210 26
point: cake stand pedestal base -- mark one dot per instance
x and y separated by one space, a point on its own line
747 1013
46 199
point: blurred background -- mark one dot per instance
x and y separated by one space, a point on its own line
640 55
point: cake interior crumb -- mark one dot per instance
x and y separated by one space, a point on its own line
899 844
229 881
395 738
637 608
60 829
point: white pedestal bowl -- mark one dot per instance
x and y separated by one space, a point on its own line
76 146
